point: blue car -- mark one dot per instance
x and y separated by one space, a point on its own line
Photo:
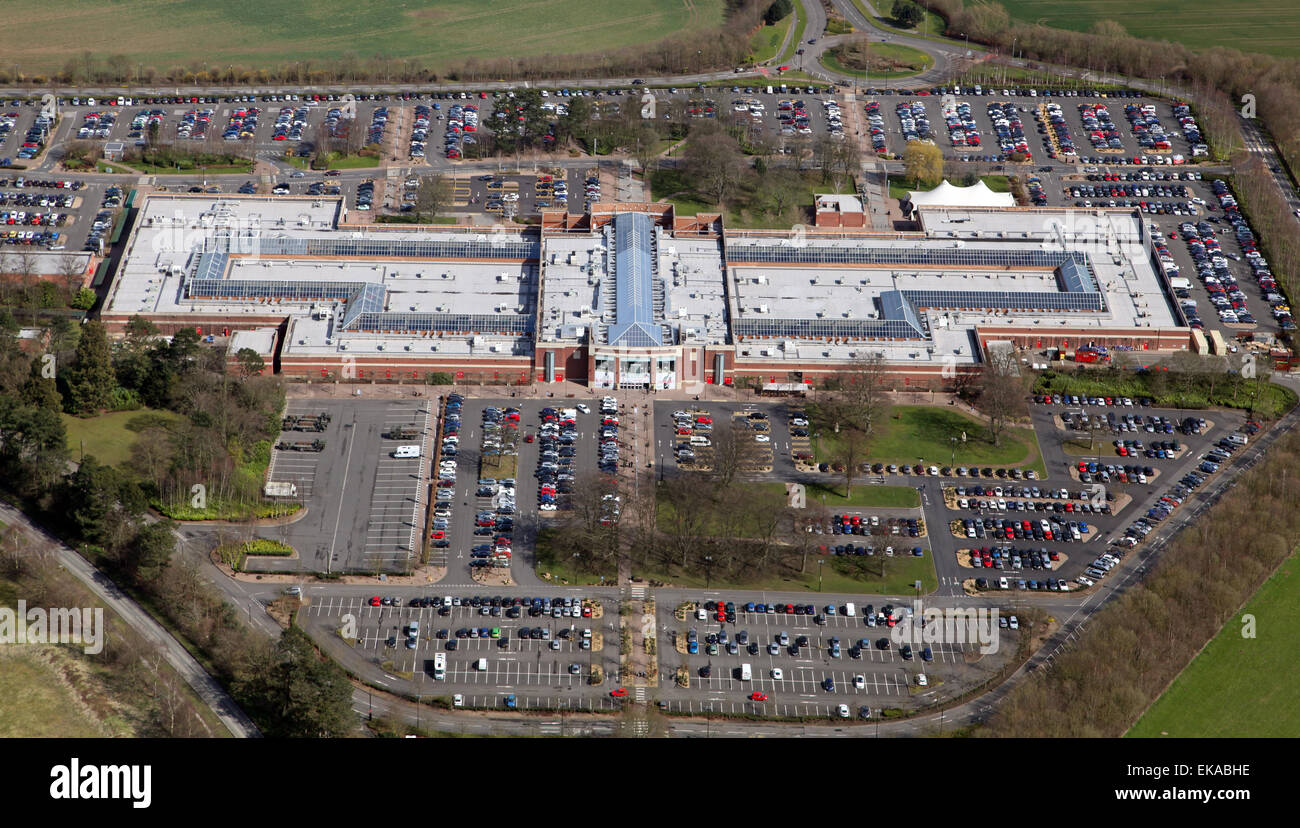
693 647
759 607
749 607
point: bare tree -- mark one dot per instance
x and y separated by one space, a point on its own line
432 196
1002 391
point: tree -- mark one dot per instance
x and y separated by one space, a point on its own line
714 159
852 450
907 13
645 149
250 363
431 197
1002 392
151 551
923 163
778 11
89 381
298 694
781 190
867 391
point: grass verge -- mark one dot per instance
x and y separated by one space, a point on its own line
1239 686
110 437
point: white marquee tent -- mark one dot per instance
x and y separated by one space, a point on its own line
949 195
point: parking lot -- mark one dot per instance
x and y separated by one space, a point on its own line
370 516
1072 118
467 501
483 648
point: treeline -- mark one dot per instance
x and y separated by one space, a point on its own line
1133 649
686 51
103 510
151 698
1273 82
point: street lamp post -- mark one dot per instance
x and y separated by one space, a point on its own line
819 574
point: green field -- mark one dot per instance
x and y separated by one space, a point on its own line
1240 687
864 496
48 709
440 33
916 433
907 61
107 436
768 39
1268 26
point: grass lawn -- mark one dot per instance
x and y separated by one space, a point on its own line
775 492
675 186
997 183
916 432
1270 400
113 168
1240 687
798 38
352 162
499 466
1268 26
768 39
213 169
865 495
913 61
837 575
48 708
277 33
107 436
930 28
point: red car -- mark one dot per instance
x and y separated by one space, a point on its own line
528 438
374 600
757 696
704 420
618 692
586 612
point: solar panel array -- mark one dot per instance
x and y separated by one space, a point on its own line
824 328
406 323
254 289
942 257
384 248
1008 300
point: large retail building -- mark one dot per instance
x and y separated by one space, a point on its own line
633 295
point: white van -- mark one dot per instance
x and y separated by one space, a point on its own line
481 665
439 666
850 611
1238 438
406 451
697 440
769 90
746 674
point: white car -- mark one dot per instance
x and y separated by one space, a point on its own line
546 507
762 438
458 700
921 680
777 675
843 710
860 682
584 409
1013 623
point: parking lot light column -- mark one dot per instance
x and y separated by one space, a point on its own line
819 574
